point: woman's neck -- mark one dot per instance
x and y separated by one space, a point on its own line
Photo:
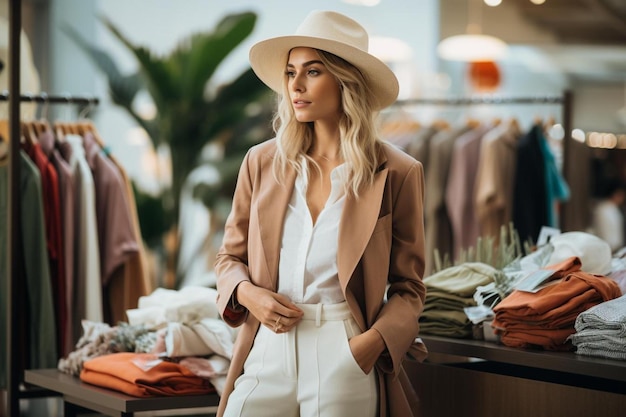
326 142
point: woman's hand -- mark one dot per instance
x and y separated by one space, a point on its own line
273 310
367 348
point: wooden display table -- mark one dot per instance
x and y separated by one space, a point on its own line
78 396
565 362
464 377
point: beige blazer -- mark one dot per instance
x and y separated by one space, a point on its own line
381 242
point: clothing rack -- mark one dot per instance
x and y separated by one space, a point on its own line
15 286
564 100
54 99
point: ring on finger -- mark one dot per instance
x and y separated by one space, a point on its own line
277 325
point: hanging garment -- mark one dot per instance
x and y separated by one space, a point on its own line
116 236
557 189
133 280
459 195
115 231
495 179
41 335
67 214
54 234
529 195
87 287
437 223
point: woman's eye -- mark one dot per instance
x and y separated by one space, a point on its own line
290 74
313 72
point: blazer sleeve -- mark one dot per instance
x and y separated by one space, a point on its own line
397 321
231 264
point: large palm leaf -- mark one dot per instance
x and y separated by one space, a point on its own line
187 117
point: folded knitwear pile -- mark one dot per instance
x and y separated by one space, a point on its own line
448 292
545 318
601 330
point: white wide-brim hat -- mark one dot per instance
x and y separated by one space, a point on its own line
331 32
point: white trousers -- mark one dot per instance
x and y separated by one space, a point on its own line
307 372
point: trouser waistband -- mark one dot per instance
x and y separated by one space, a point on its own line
325 312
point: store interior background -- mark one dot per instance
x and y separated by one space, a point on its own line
561 45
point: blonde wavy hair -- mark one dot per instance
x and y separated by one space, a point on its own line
359 141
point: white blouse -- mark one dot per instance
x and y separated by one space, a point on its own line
307 271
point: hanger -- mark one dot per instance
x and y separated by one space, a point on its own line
4 138
549 123
4 129
65 128
28 133
92 129
84 125
473 123
59 132
42 125
398 121
441 124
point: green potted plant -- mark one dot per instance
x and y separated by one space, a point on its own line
189 116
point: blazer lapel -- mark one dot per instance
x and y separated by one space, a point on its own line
273 201
357 224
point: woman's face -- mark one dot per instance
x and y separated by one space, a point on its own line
314 91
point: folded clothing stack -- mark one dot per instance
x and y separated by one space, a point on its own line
143 375
545 318
448 292
601 330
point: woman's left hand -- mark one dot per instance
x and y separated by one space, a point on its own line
367 348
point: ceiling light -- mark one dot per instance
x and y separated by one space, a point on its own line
578 135
538 1
390 49
362 2
472 48
493 3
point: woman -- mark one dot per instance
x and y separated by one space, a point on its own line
326 219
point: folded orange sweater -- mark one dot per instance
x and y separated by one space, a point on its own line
575 292
546 318
118 372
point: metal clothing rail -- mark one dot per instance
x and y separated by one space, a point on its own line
52 99
471 100
15 286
